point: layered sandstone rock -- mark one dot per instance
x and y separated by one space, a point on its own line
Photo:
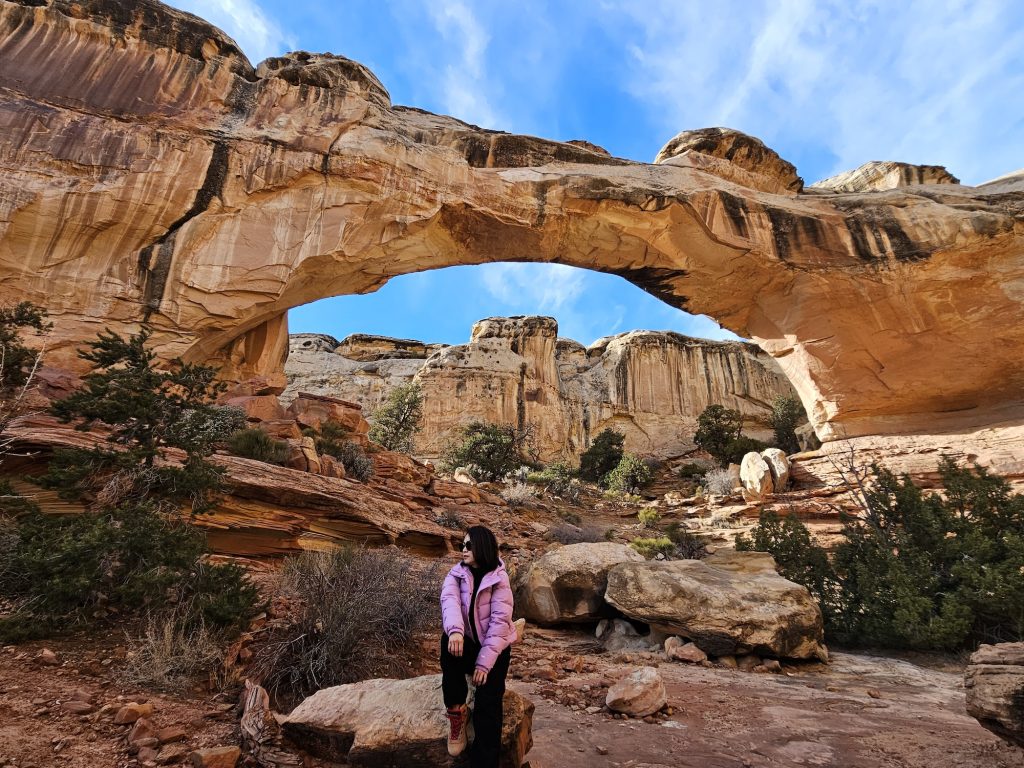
728 603
395 722
567 584
271 510
649 385
152 174
880 175
994 683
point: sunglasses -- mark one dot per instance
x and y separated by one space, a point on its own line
466 546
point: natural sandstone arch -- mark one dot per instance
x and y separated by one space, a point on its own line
152 175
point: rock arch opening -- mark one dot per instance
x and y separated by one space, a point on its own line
208 197
529 370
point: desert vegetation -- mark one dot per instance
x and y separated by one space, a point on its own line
133 549
914 569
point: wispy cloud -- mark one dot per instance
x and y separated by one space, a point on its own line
921 81
245 22
548 288
465 81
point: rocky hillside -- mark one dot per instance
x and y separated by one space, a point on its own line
650 385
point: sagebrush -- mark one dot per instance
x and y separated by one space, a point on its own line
360 609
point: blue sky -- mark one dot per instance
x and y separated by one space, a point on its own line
828 85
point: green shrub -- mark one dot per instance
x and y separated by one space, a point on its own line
630 475
915 570
257 444
691 471
359 612
16 360
490 451
74 568
787 413
648 517
740 447
334 440
603 455
398 418
148 410
651 547
717 428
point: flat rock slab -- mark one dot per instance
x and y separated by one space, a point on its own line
729 603
395 724
994 682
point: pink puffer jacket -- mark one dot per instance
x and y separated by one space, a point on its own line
493 610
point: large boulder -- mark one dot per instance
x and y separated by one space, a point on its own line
567 584
994 683
729 603
778 464
386 723
756 476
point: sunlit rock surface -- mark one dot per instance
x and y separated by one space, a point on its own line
151 173
651 386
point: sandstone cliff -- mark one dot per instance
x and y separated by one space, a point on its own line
152 174
649 385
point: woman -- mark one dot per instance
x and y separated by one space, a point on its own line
476 611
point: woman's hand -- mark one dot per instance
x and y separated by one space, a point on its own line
479 676
455 645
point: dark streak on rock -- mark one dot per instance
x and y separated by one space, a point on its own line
156 271
157 24
736 209
657 281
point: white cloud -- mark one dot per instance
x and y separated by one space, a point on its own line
551 288
465 83
921 81
245 22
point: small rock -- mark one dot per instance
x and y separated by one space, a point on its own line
48 658
77 707
131 712
748 662
874 693
142 730
689 653
173 733
146 755
640 693
172 753
215 757
772 665
602 750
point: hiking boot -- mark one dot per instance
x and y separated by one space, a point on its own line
457 717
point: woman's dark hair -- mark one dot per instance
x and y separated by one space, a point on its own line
484 546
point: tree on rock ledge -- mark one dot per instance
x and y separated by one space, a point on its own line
146 410
398 418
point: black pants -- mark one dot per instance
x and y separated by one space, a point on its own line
487 709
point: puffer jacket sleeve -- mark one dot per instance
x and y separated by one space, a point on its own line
499 628
451 606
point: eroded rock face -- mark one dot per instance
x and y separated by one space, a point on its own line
994 682
728 603
879 175
271 510
566 585
395 722
163 179
651 386
732 155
